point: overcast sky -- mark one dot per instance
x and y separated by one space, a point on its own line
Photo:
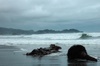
50 14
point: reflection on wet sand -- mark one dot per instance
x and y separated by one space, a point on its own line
43 61
77 64
82 63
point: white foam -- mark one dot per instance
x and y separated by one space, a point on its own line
55 54
22 49
42 39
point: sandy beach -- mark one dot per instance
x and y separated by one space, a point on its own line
12 56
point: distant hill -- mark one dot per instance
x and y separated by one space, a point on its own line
54 31
11 31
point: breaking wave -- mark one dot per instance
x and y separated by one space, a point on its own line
86 36
44 39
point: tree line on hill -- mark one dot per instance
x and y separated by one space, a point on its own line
11 31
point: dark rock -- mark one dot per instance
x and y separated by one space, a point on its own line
79 52
45 51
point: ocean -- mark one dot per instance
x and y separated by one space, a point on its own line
14 47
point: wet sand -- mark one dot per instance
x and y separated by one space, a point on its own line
12 56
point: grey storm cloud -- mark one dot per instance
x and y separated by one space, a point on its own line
44 11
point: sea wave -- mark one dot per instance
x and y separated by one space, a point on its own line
40 39
43 36
87 36
63 36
